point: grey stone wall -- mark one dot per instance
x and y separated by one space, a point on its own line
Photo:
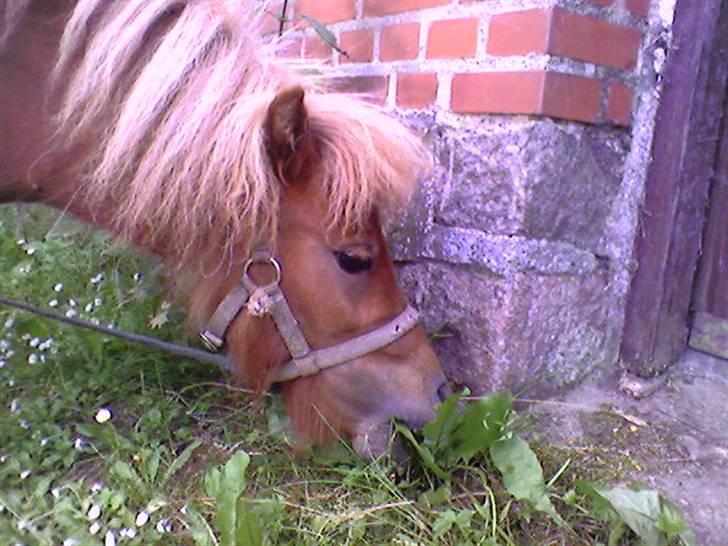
504 251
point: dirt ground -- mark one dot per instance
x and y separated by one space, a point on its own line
674 438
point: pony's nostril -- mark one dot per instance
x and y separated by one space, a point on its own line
443 391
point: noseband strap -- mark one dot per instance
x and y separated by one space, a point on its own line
269 300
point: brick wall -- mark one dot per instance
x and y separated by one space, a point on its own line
573 62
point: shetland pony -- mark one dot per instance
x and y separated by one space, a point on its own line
171 124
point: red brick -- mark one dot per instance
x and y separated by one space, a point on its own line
452 38
326 11
316 48
416 90
639 7
535 92
497 92
519 32
619 104
373 88
593 40
400 42
571 97
358 44
378 8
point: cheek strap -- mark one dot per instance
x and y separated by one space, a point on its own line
270 300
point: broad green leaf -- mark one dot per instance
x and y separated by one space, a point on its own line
438 431
181 460
483 423
230 485
211 482
424 453
435 497
152 464
125 472
247 527
671 522
651 517
522 474
638 509
443 523
199 529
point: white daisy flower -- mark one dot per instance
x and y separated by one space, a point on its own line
94 512
163 526
70 542
94 528
103 415
110 539
9 323
58 287
24 474
141 518
32 358
30 251
14 406
71 313
53 303
72 302
88 308
96 487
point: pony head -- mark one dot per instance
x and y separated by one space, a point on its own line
336 272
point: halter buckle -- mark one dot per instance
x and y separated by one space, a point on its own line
211 342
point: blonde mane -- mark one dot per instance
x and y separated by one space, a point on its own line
173 94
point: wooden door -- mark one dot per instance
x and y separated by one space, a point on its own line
681 181
709 332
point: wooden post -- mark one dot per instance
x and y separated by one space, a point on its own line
678 179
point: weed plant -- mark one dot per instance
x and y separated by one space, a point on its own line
103 442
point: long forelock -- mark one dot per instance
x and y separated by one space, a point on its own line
182 88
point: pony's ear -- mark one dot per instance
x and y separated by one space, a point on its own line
288 141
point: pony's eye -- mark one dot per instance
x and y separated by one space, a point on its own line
354 263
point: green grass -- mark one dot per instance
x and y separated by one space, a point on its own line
185 459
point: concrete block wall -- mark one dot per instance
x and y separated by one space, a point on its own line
518 248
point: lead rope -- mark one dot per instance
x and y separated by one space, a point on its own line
140 339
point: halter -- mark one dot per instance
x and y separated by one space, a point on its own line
268 299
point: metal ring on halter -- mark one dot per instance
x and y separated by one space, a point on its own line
259 261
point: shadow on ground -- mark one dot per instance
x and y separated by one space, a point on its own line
675 439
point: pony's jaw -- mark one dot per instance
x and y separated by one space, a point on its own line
359 399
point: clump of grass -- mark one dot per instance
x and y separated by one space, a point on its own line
102 442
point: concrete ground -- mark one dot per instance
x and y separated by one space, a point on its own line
674 438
